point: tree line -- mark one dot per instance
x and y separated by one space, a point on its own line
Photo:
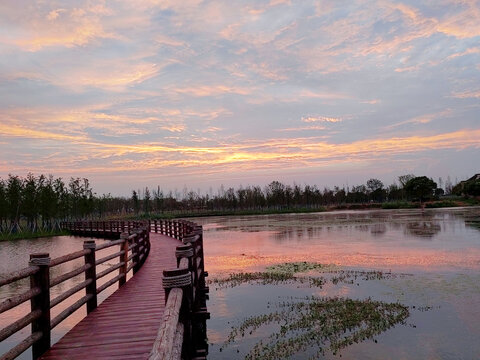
33 203
42 201
277 196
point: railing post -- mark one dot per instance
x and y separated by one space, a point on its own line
41 302
91 273
184 251
123 258
136 254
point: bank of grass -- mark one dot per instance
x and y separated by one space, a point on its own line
273 211
31 235
401 205
206 213
442 204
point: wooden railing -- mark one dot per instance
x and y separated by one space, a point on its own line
134 246
103 229
182 331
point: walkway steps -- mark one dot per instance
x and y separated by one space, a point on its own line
125 325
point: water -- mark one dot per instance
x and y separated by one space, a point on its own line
435 252
434 255
15 255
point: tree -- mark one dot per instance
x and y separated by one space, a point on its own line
146 201
376 189
420 187
136 202
158 197
14 199
403 179
29 200
3 204
374 185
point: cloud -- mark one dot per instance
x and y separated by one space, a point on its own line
310 119
422 119
203 87
468 94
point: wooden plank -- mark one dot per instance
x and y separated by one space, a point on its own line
178 343
163 345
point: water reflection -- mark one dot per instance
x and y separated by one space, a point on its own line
440 248
382 239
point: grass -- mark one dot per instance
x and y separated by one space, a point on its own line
31 235
442 204
400 205
272 211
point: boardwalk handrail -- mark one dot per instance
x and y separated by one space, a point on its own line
134 245
182 330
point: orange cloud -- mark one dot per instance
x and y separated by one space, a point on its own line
212 90
310 119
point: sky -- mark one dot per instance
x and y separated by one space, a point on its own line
200 93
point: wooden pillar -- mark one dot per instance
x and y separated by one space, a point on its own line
136 253
41 302
91 273
124 259
184 251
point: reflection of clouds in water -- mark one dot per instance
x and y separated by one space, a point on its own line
216 337
220 308
362 255
298 227
332 290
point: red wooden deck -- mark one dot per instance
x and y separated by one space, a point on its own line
125 325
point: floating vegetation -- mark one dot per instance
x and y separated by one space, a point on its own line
288 273
320 324
301 267
263 278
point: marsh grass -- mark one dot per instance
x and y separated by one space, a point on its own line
321 324
313 274
31 235
314 324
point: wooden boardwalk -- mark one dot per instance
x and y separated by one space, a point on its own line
125 325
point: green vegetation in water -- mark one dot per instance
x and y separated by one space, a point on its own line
320 324
300 267
21 235
286 274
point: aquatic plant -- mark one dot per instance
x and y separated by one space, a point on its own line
320 324
300 267
263 278
288 273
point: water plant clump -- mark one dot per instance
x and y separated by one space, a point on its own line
262 278
319 323
301 267
288 273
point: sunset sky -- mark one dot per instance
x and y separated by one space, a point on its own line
201 93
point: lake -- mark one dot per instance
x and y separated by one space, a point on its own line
429 261
424 262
